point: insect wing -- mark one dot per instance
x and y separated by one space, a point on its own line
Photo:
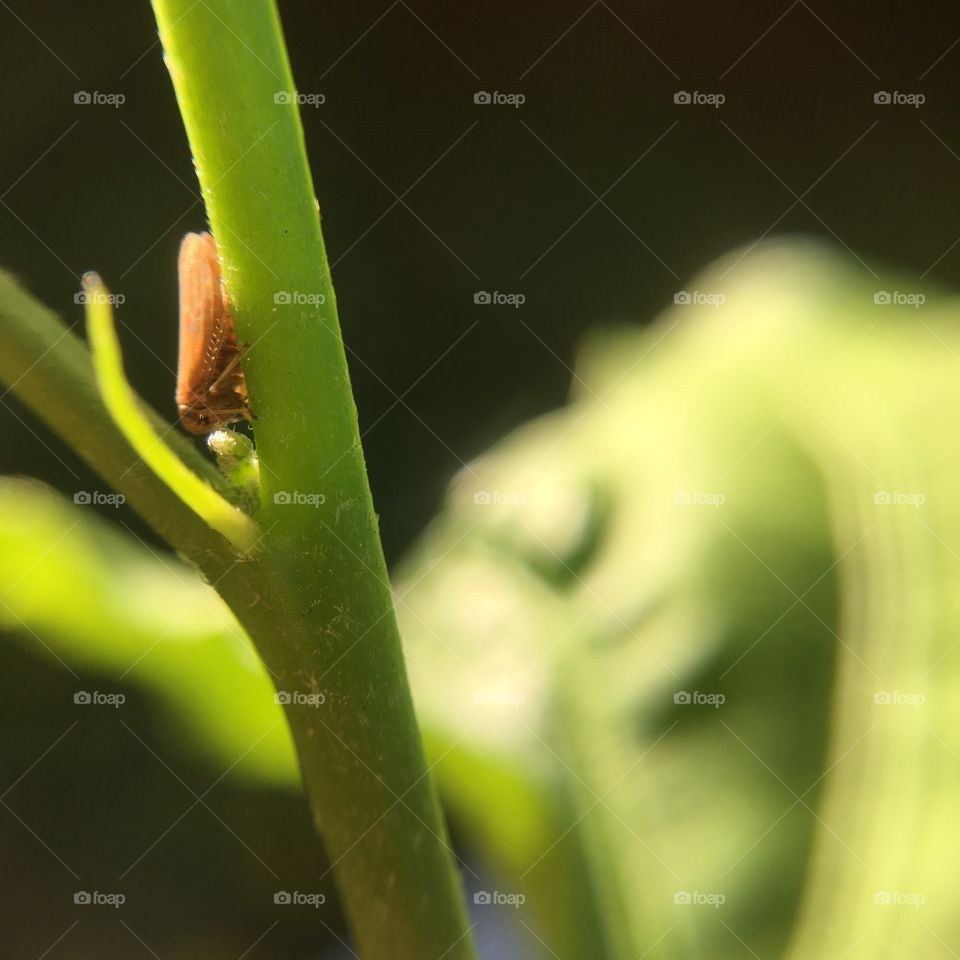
200 302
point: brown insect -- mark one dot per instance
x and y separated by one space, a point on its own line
211 388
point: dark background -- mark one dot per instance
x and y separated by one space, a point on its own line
493 198
502 198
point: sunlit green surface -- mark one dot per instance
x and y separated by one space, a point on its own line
755 501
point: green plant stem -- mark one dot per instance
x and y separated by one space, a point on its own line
50 370
328 626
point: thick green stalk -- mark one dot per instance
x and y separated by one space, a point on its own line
328 628
393 906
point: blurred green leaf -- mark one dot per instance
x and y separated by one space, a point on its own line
674 603
684 652
95 600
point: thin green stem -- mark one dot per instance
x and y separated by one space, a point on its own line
134 424
329 626
51 371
